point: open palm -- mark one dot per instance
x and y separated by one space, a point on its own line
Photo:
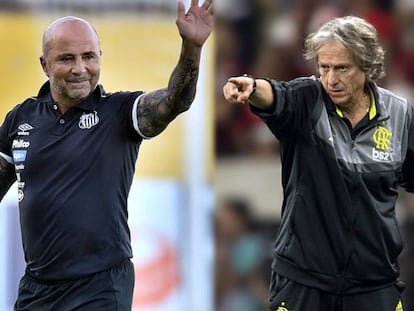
197 24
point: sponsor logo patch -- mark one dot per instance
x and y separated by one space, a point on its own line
381 155
20 143
19 155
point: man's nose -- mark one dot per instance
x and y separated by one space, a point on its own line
79 66
332 77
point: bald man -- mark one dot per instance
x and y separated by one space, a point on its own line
72 150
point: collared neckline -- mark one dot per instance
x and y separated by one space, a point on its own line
89 104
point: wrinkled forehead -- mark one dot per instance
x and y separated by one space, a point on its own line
334 49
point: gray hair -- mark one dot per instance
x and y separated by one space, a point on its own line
357 35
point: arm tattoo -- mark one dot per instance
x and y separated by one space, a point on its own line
7 176
157 109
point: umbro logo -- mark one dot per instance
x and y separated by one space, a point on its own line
24 129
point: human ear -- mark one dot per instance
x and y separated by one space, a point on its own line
44 65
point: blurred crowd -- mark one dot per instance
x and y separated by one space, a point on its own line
265 38
242 257
168 7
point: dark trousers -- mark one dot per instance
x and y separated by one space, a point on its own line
110 290
287 295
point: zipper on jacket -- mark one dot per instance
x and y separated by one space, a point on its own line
355 182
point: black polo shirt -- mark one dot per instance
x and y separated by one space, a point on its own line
74 173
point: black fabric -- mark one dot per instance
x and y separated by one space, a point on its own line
110 290
339 231
288 295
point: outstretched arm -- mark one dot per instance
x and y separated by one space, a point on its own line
7 177
158 108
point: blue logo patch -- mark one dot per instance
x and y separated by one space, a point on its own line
19 155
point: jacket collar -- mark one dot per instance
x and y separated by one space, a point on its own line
377 109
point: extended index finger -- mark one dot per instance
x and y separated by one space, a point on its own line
234 80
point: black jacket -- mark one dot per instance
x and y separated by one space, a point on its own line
338 229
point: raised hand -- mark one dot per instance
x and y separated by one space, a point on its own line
197 24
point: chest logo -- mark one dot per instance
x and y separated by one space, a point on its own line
20 143
88 120
19 155
382 138
24 129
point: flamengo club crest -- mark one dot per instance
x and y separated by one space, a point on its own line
88 120
382 140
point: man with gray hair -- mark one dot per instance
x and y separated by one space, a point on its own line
346 146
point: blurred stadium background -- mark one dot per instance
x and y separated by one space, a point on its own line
171 200
265 38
